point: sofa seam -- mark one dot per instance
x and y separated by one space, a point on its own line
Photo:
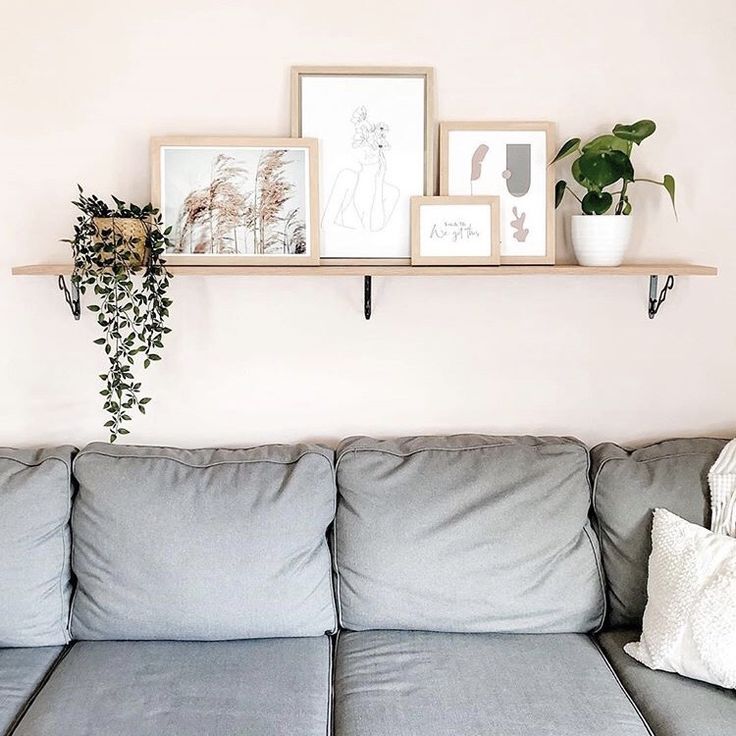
242 461
331 684
632 449
621 685
573 444
73 601
597 553
37 690
332 552
601 581
34 465
68 523
338 579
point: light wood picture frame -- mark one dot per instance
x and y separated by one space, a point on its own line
455 231
375 125
509 160
238 200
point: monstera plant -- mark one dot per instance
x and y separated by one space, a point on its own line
604 169
118 258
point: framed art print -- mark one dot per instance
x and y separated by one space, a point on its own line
237 200
510 161
462 231
374 126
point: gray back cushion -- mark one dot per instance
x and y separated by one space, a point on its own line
466 534
202 544
627 486
35 584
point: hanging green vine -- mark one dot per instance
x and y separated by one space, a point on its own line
118 256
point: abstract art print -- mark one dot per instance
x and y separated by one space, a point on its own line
455 231
238 200
374 127
508 160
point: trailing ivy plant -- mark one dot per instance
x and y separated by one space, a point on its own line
130 292
605 162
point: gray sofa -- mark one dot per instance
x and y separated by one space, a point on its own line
451 586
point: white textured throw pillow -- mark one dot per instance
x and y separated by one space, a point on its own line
690 619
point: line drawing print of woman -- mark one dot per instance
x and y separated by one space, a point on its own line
361 198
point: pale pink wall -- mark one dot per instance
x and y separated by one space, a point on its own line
85 83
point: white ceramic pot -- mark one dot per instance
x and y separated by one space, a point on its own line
600 240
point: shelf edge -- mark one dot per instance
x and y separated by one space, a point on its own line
634 269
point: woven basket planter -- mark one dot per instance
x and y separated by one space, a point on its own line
128 229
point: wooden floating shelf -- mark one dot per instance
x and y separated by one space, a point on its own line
639 269
367 271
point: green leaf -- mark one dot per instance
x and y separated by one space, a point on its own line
626 208
560 188
605 168
577 175
99 341
636 132
596 203
566 149
669 184
606 143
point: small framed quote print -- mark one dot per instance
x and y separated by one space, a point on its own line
244 201
461 231
510 161
375 131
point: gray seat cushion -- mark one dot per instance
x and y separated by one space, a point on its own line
627 486
202 544
268 687
672 705
467 533
21 673
35 584
411 683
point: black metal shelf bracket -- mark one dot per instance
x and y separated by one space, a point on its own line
71 296
656 297
367 296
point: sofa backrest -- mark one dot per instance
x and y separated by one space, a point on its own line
627 486
466 533
202 544
35 584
